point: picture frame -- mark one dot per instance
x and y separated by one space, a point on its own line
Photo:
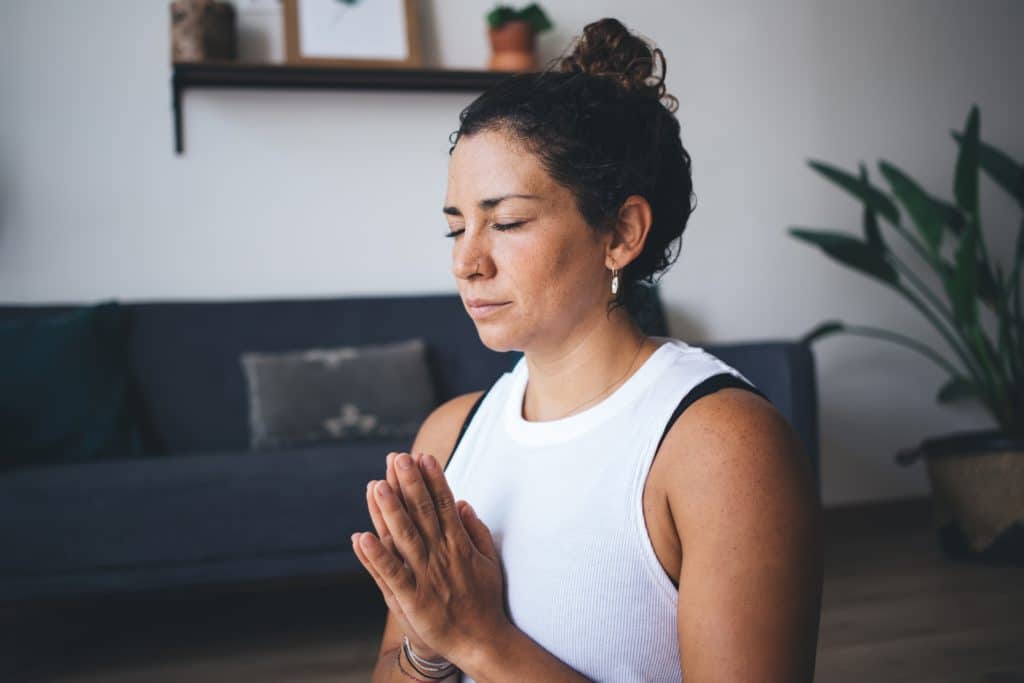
353 33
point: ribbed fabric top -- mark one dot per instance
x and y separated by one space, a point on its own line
564 501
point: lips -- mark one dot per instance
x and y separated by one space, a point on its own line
476 303
480 308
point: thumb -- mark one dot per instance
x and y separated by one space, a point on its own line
478 531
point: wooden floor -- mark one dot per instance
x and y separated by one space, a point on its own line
895 609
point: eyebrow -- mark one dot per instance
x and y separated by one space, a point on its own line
490 203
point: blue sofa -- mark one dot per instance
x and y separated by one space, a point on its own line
200 507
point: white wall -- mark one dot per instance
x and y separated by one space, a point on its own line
291 194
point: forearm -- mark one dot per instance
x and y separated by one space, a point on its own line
514 658
387 670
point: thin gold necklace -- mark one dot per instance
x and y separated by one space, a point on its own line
635 356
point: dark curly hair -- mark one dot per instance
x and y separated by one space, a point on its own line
602 125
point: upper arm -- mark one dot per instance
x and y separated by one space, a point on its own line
746 509
436 436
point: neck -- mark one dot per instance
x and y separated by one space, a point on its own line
585 368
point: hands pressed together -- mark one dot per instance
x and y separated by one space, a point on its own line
433 560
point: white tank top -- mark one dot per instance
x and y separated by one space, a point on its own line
563 499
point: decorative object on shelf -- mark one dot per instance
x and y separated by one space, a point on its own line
977 478
513 36
355 33
203 30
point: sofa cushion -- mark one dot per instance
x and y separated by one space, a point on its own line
340 394
187 509
65 381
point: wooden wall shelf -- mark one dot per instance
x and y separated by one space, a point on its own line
239 75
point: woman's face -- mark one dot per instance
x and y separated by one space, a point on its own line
547 270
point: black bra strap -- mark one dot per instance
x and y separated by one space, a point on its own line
465 425
712 384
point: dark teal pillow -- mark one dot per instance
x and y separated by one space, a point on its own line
65 388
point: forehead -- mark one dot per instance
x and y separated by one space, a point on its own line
489 164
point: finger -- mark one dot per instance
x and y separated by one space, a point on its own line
386 593
408 542
418 500
365 561
444 499
395 575
478 532
379 524
392 476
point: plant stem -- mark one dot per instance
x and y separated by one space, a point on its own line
1013 285
979 374
939 324
867 331
924 289
993 385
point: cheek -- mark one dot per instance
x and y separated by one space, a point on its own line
552 273
536 266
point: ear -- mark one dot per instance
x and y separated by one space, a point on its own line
630 233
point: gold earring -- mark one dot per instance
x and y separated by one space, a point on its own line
615 280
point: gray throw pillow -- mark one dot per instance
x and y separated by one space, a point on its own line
338 394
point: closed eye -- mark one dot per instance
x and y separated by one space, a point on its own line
496 226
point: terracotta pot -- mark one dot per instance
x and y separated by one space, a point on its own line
977 481
512 47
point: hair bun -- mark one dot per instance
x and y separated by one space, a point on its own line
608 49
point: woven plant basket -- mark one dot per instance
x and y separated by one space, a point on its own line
977 481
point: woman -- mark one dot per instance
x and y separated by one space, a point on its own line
620 529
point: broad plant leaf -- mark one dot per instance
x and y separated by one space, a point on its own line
922 209
989 290
952 216
965 181
1000 167
535 17
963 285
872 234
862 190
851 252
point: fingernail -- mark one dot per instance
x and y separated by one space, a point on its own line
391 456
354 536
404 461
383 490
369 484
431 462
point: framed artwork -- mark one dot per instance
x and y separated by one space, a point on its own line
366 33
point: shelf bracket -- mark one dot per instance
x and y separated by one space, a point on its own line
176 89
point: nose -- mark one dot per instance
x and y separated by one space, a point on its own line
471 255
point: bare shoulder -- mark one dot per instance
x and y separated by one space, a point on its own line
733 449
746 509
440 430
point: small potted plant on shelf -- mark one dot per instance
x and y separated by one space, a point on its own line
977 478
513 36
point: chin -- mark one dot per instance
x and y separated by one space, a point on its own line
496 339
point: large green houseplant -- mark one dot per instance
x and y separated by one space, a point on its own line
977 478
